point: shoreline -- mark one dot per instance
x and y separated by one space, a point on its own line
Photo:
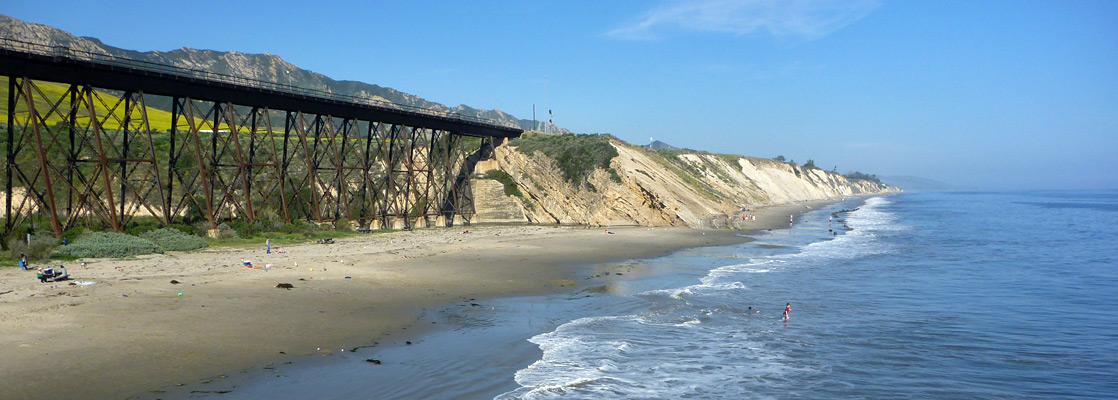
130 331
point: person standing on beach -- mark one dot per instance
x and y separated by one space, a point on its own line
787 308
267 246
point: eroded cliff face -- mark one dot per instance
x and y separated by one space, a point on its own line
656 189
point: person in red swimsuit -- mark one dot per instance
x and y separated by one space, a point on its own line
787 308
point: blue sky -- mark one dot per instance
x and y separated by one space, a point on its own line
986 94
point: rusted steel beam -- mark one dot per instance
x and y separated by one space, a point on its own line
102 161
97 153
9 160
106 71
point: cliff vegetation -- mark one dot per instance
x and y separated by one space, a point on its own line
601 180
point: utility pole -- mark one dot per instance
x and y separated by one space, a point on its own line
546 128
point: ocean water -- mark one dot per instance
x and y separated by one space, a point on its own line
972 295
927 295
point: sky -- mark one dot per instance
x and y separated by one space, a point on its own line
980 94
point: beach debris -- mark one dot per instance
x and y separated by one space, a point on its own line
374 361
349 277
287 286
174 282
180 294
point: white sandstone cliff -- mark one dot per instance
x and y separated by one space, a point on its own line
693 189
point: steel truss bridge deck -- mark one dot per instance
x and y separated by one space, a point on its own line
80 149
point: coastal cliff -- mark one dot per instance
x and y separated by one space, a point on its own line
652 188
632 185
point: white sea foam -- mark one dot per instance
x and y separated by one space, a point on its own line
684 344
866 223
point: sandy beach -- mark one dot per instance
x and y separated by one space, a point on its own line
124 328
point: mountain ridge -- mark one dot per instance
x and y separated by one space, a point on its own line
258 66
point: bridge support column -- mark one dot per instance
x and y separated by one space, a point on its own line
88 156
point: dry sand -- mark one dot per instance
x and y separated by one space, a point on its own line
131 331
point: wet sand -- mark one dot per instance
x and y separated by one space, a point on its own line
130 332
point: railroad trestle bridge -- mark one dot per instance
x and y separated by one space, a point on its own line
84 147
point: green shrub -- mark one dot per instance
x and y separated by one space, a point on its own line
109 244
506 180
858 176
613 176
343 225
576 155
224 231
40 248
302 227
290 228
266 225
243 229
296 226
174 240
140 225
73 233
189 229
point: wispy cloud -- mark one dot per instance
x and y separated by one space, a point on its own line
803 19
